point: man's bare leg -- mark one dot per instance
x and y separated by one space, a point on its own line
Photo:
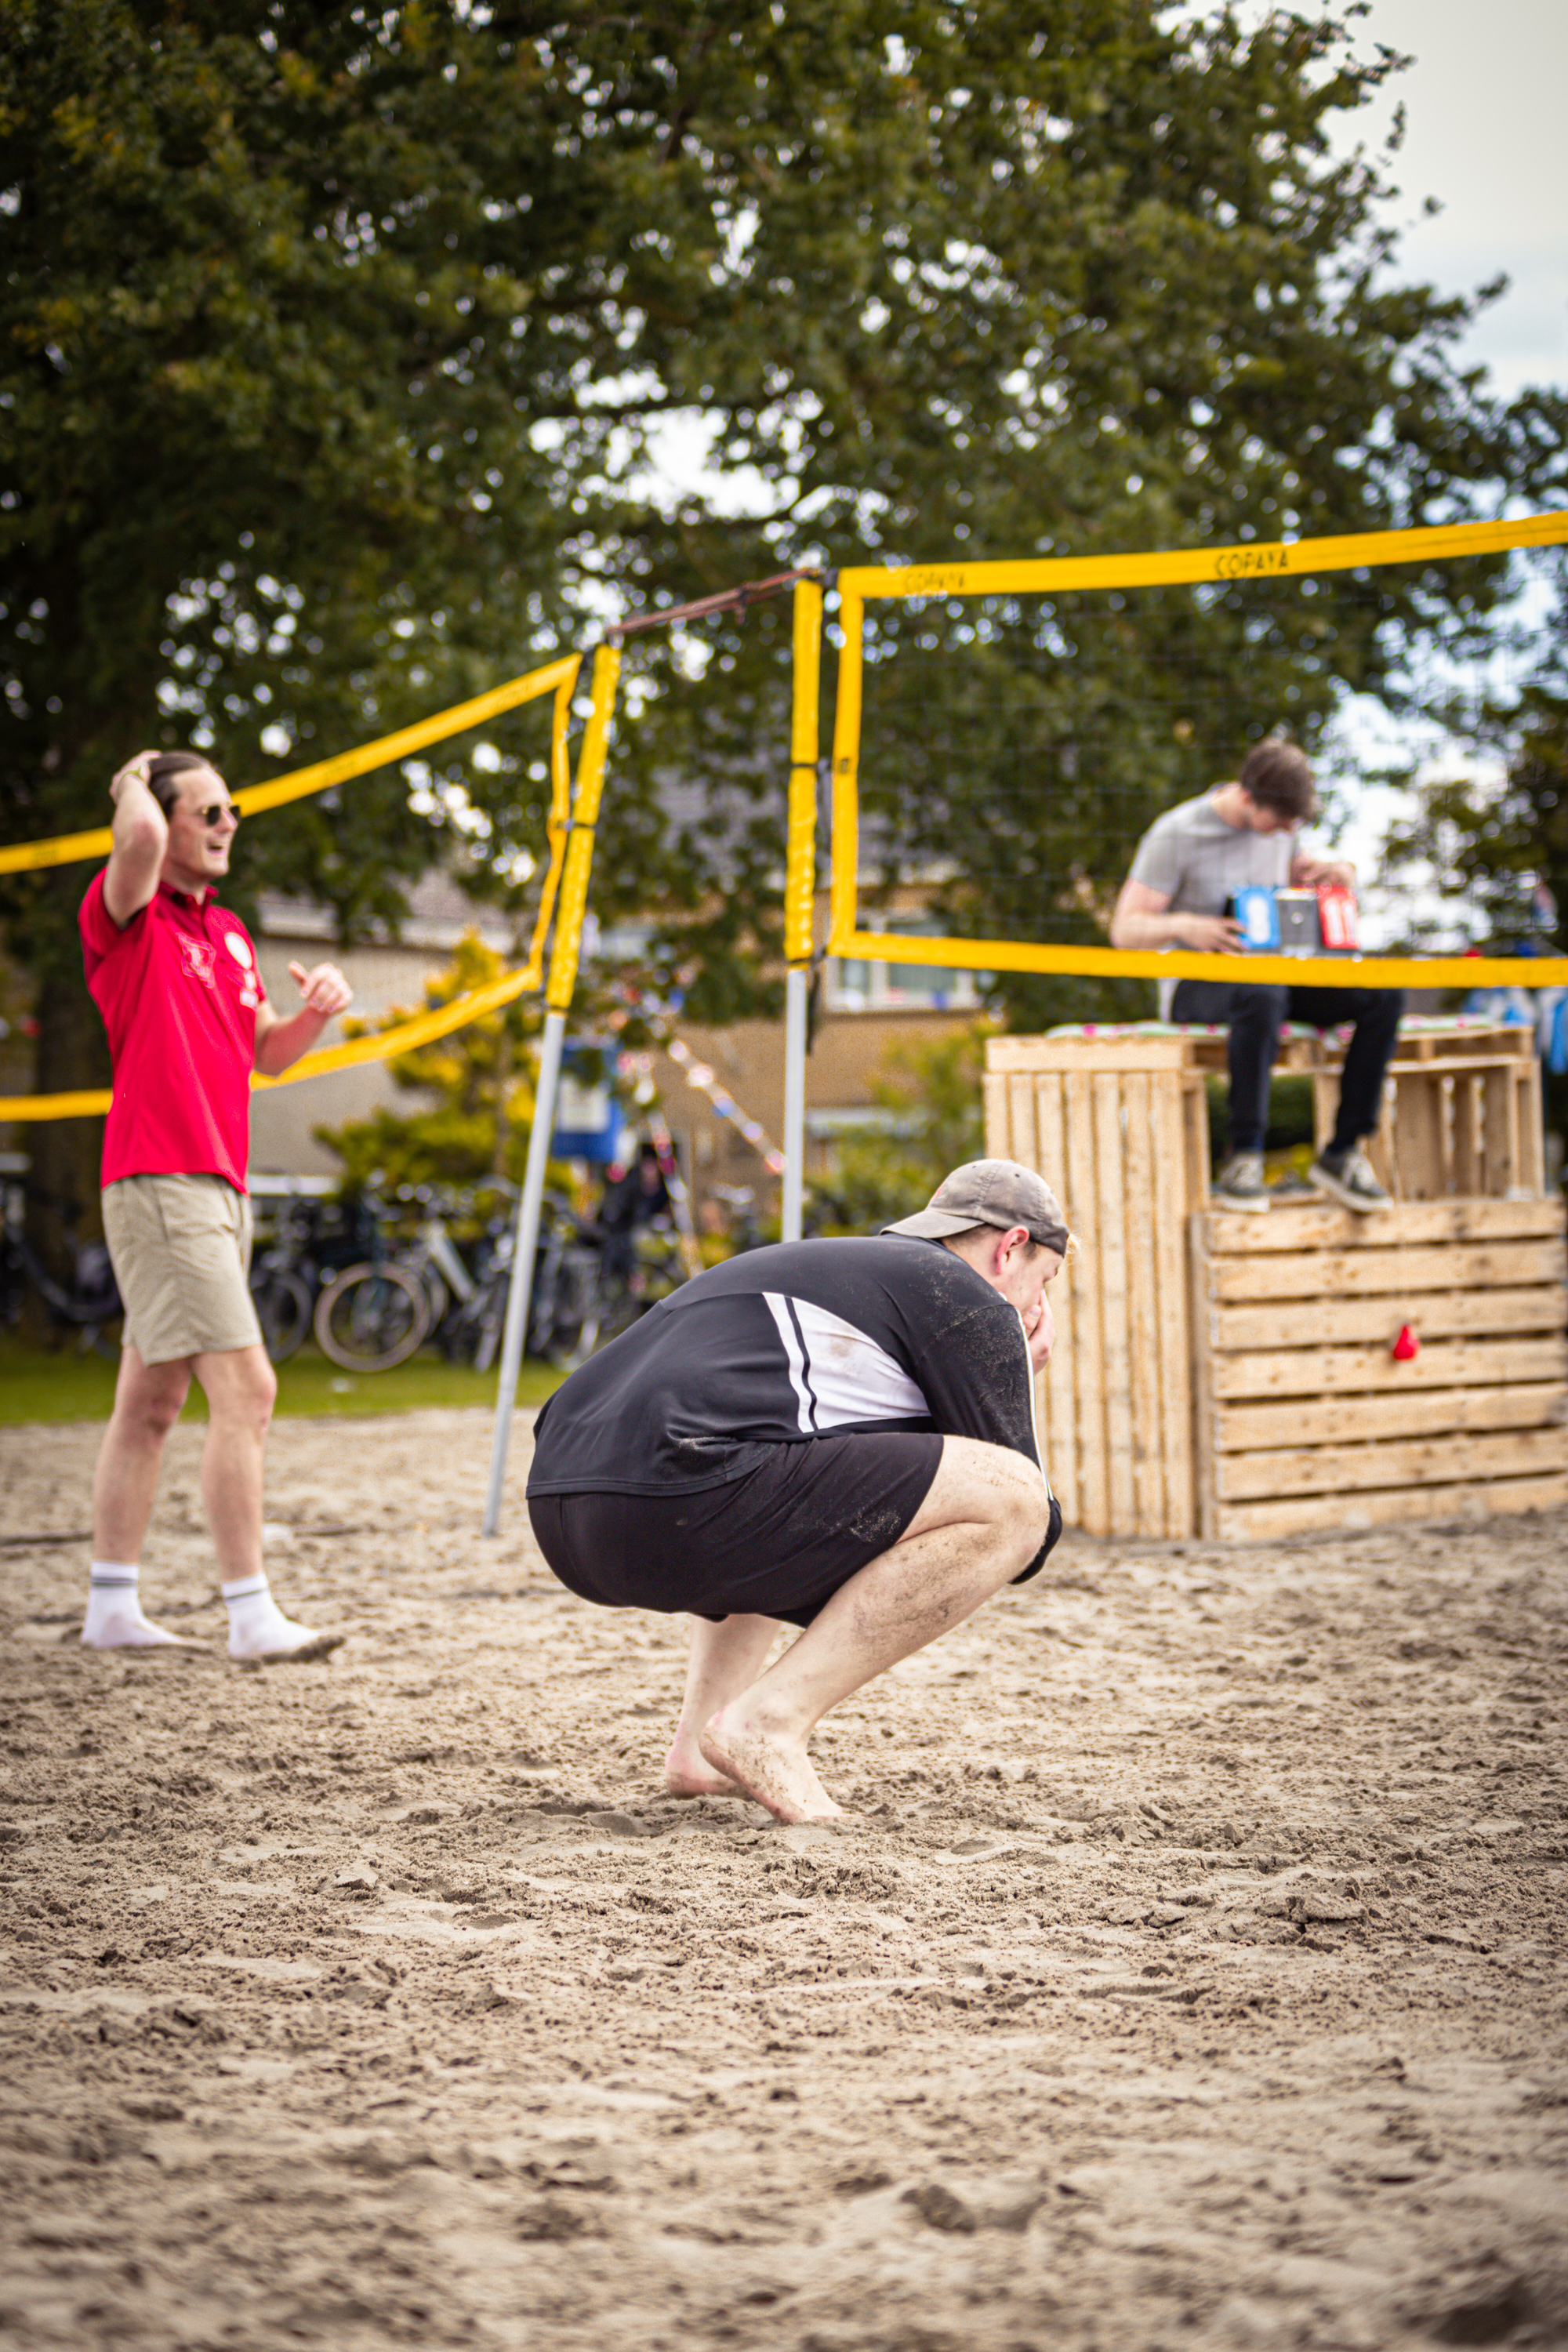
147 1402
725 1660
982 1522
240 1386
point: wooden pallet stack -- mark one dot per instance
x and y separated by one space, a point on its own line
1235 1376
1304 1415
1119 1127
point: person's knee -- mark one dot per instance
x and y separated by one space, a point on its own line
154 1402
1251 1001
1384 1011
246 1391
1023 1514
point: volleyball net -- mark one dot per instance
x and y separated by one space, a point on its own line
567 848
1006 733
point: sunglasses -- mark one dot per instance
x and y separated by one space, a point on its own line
214 815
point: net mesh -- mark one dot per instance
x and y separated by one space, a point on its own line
1013 750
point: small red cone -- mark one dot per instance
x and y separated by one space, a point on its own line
1407 1347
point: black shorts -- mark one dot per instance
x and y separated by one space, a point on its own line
778 1541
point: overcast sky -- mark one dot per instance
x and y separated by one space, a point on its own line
1483 101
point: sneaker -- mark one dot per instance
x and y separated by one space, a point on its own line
1239 1184
1348 1177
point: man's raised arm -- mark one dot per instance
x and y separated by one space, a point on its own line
141 837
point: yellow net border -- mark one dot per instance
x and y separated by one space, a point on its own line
859 586
570 833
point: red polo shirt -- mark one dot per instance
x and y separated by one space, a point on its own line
178 990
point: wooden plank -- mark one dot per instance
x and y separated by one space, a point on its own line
1142 1334
1470 1134
998 1134
1195 1139
1415 1412
1088 1352
1318 1224
1172 1345
1203 1371
1532 1129
1105 1090
1082 1054
1236 1235
1335 1274
1403 1462
1345 1371
1418 1138
1442 1315
1501 1119
1059 1435
1024 1145
1307 1514
1382 1147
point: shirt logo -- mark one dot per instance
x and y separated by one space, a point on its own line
238 947
197 957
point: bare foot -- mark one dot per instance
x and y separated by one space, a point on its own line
775 1771
686 1774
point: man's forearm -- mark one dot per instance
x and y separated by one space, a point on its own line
285 1040
1147 931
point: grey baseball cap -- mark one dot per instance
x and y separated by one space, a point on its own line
989 1192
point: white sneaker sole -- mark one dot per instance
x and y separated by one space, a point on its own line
1219 1200
1328 1184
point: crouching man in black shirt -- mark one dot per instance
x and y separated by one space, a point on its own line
839 1434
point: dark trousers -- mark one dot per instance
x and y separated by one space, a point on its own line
1254 1015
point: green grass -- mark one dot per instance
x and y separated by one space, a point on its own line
41 1384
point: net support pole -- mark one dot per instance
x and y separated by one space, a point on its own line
564 950
800 892
525 1249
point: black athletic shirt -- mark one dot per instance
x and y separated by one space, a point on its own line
779 1346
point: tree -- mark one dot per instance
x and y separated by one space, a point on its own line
1496 846
479 1079
336 341
930 1095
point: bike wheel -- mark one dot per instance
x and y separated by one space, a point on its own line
574 1323
283 1304
372 1317
472 1332
438 1295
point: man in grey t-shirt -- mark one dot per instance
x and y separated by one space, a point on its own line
1189 864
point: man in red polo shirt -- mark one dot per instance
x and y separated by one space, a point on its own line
175 978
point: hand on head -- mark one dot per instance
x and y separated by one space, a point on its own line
136 768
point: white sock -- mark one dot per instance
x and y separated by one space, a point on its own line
114 1618
256 1626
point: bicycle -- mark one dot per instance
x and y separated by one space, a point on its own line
90 1304
284 1281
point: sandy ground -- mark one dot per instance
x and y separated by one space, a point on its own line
1189 1972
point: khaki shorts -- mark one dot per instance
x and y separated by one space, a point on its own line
181 1248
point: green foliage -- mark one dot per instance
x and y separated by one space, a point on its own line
933 1094
481 1076
1486 848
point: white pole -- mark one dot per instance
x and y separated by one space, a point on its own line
797 995
524 1250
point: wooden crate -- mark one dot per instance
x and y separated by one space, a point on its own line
1231 1375
1303 1417
1122 1134
1461 1116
